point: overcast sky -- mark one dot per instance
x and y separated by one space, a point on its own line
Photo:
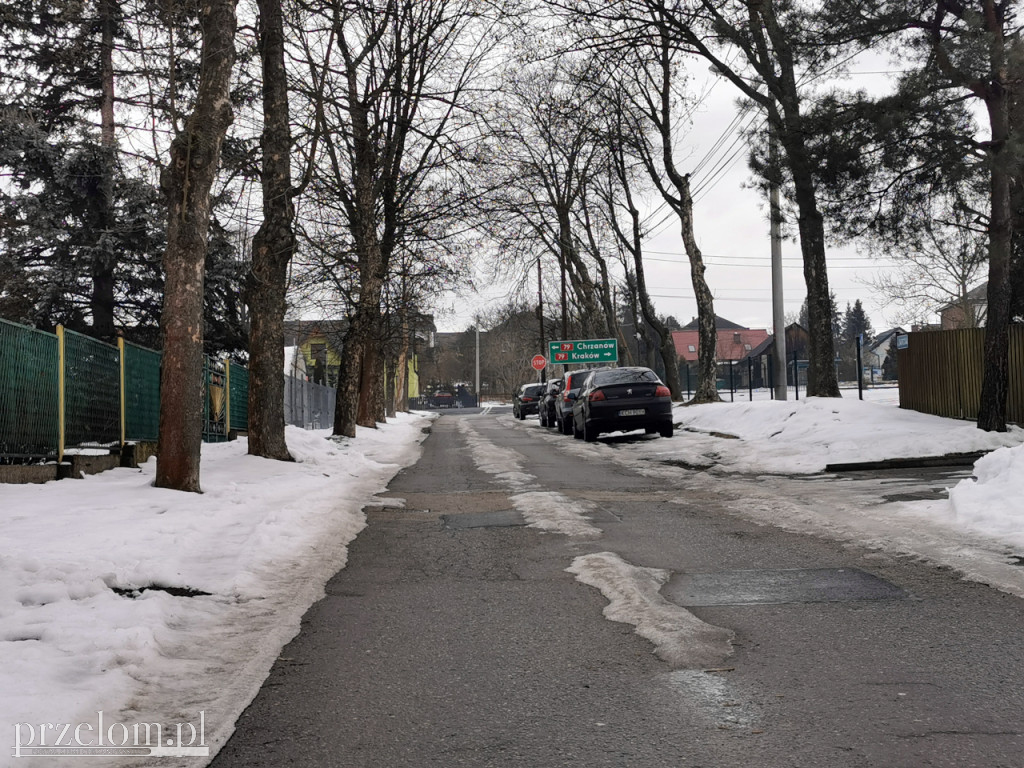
731 227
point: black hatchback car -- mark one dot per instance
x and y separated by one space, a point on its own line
614 399
572 382
549 401
527 400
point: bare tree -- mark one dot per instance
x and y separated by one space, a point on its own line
759 47
186 182
396 127
274 244
544 159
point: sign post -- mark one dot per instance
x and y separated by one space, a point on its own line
589 351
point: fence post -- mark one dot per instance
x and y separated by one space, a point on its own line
860 367
227 398
124 395
732 381
771 377
750 378
60 393
796 376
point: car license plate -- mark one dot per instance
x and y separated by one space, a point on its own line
632 412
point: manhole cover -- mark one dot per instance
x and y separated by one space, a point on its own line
805 585
503 518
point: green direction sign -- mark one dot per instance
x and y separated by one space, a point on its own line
584 351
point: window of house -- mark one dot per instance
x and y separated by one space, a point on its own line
691 348
736 338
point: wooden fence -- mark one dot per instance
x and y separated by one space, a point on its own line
940 373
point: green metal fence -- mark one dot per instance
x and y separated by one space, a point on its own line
92 391
141 392
238 397
29 423
66 390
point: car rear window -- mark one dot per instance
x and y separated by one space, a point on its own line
534 390
625 376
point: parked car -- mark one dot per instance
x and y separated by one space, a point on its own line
548 402
622 399
571 384
527 400
442 400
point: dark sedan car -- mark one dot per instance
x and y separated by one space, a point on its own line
622 399
527 400
549 402
571 384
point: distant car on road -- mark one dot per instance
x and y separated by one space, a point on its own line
442 400
622 399
527 400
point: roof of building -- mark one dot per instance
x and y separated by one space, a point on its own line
720 324
732 344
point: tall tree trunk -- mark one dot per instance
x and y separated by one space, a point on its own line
706 390
347 400
1003 152
105 258
186 182
273 247
996 370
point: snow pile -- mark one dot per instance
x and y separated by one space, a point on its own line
992 502
804 436
155 605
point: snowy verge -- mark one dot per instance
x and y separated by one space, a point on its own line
209 587
632 591
804 436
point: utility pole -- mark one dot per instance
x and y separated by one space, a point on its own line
477 380
540 316
778 309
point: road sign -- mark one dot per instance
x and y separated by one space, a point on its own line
538 362
583 351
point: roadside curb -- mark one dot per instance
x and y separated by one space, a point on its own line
946 460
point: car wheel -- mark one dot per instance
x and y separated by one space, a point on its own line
576 434
521 416
589 433
666 431
543 419
564 428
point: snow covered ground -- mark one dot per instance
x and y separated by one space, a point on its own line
102 580
262 540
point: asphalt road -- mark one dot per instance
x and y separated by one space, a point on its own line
455 637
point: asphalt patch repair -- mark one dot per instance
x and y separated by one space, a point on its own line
772 587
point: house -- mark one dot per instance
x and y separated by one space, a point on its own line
762 356
968 312
734 341
874 355
321 342
295 363
734 344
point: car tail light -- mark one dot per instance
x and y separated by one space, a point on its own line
527 399
662 391
597 394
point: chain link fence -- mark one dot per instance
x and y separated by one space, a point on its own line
66 390
308 405
29 420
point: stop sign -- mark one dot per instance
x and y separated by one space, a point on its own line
538 362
